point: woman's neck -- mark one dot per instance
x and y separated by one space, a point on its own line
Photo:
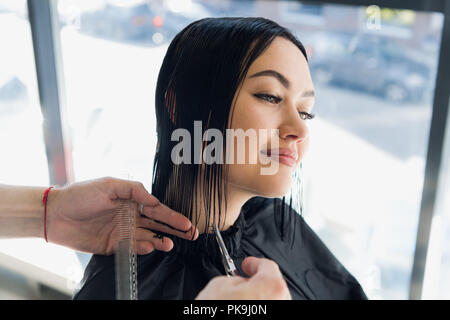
236 198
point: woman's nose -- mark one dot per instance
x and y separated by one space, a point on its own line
293 128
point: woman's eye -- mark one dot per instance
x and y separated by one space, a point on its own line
306 116
269 98
276 100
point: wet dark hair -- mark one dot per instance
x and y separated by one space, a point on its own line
202 70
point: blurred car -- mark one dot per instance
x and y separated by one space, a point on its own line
16 7
13 94
138 21
11 88
230 8
370 63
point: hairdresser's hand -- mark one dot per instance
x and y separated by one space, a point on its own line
265 283
80 216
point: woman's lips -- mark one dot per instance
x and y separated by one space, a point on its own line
285 156
287 160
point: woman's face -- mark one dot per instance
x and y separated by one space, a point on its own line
277 93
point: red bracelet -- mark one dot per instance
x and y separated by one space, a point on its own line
44 200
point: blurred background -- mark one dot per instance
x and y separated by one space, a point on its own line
77 83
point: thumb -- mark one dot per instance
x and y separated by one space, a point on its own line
253 266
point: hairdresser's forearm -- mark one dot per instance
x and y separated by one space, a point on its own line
22 211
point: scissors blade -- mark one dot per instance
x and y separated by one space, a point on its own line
228 263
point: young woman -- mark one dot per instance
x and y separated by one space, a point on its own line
231 73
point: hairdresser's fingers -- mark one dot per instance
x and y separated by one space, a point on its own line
191 234
266 278
223 288
226 283
160 243
133 190
164 214
144 247
259 266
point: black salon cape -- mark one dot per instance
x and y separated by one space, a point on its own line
309 268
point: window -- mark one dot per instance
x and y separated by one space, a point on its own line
295 12
23 159
368 143
374 90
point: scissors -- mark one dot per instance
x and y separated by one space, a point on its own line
228 263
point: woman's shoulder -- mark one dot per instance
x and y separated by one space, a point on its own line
287 229
285 236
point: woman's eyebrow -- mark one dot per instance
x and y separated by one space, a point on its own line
285 82
272 73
